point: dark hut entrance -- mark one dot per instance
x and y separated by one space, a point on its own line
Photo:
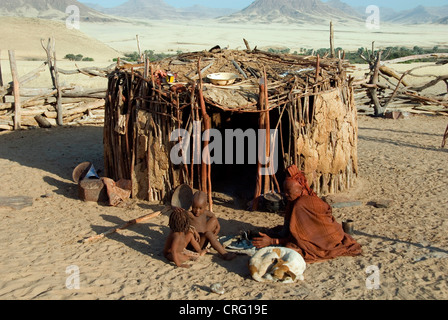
235 174
308 99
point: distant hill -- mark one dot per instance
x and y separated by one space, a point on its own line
346 8
417 15
198 12
296 11
159 9
443 20
24 34
143 9
50 9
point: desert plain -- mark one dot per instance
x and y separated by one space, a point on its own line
400 161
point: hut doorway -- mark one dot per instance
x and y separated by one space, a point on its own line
236 174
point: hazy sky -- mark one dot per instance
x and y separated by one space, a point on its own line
240 4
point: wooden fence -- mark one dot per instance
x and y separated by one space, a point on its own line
24 107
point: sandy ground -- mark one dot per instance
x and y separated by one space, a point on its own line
163 36
400 160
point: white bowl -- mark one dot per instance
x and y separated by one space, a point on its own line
223 78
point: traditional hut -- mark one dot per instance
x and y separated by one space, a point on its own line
307 100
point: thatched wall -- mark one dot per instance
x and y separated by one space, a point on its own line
309 99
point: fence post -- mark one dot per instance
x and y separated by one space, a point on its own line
15 79
2 99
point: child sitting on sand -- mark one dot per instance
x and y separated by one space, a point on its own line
207 225
180 237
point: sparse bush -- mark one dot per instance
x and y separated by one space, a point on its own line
134 56
73 57
389 53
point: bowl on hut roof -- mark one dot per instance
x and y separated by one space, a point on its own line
222 78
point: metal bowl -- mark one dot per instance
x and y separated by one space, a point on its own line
80 171
223 78
182 197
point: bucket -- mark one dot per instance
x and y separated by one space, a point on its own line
170 77
348 226
273 202
92 190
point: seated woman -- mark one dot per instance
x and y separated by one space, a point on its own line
309 227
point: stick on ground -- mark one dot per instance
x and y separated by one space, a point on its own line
126 225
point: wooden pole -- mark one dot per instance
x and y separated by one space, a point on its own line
261 126
15 80
268 133
247 45
332 52
59 108
139 50
206 167
51 57
2 99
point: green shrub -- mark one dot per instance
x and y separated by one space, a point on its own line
73 57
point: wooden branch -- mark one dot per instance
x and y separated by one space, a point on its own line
15 77
392 73
445 138
423 99
395 92
237 66
2 98
378 108
247 45
431 83
205 167
42 121
138 48
127 225
416 57
59 108
90 71
23 80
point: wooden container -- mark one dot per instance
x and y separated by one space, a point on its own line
92 190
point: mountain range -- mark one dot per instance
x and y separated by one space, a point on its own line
290 11
159 9
282 11
51 9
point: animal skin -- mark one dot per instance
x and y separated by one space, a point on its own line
277 264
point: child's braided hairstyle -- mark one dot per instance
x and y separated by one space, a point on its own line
179 221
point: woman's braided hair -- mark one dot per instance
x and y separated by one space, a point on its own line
179 221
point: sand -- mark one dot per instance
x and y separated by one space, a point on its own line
165 36
400 160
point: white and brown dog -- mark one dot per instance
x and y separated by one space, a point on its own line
277 264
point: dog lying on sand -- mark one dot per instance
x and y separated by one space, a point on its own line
277 264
